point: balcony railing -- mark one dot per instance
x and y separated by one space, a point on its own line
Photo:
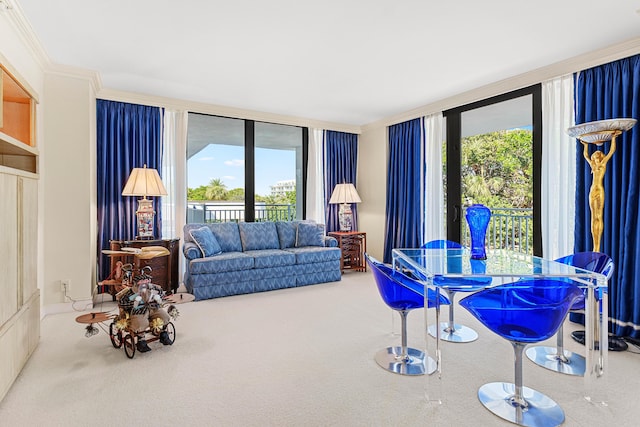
200 212
509 228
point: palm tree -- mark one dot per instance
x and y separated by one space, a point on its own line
216 190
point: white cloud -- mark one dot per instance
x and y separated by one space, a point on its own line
207 158
229 177
234 162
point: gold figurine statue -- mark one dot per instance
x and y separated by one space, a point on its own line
598 133
598 162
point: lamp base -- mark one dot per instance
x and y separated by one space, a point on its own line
145 216
345 216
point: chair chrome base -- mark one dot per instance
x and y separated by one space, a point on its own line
460 333
547 357
539 410
413 363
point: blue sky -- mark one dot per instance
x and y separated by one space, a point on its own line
227 163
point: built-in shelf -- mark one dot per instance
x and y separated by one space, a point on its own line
17 118
17 155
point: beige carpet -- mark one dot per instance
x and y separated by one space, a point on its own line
294 357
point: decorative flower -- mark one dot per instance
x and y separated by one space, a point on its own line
122 323
173 312
156 325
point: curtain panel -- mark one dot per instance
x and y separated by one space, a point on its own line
434 126
340 164
315 178
405 180
558 168
612 91
129 136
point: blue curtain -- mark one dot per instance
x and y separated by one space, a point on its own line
340 160
607 92
129 136
404 210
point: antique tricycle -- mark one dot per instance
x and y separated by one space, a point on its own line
144 313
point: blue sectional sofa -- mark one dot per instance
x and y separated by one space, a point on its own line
238 258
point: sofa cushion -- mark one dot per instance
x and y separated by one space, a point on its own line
206 241
309 235
312 254
286 234
226 261
228 236
226 233
266 258
258 235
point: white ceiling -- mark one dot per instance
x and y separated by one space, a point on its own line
344 61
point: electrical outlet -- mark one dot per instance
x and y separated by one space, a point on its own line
65 285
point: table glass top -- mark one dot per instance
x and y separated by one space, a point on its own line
500 263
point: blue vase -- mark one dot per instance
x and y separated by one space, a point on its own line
478 217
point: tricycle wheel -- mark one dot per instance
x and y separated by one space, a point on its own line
116 335
129 346
171 331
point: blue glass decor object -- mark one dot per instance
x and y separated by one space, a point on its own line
478 217
478 266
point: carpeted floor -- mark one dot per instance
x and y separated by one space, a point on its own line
293 357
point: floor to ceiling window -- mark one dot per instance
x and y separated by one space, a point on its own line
493 152
242 170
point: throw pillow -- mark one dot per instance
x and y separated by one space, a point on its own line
309 235
286 234
206 241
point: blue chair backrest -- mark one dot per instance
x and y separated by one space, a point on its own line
395 295
592 261
529 310
441 244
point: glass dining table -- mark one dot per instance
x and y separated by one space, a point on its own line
440 268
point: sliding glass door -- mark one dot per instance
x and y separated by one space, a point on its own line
493 155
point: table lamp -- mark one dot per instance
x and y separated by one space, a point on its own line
345 194
144 182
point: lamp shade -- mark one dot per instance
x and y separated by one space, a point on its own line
144 182
344 193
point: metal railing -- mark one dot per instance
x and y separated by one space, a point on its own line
202 212
509 228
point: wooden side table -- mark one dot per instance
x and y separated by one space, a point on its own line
353 245
164 270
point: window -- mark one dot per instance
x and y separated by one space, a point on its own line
241 170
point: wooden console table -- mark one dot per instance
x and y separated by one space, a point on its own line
164 269
353 245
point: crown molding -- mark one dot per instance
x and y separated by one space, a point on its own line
75 72
568 66
219 110
27 34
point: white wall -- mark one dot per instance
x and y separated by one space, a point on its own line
372 187
69 188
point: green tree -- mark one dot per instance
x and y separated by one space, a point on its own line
236 195
497 169
216 190
197 193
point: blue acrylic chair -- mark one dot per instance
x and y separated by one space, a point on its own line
523 312
402 294
450 331
557 358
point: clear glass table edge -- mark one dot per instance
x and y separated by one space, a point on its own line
595 308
